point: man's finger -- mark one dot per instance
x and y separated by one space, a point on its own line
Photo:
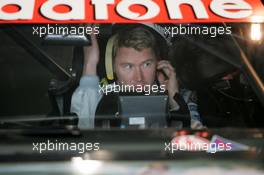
161 78
94 40
166 63
166 69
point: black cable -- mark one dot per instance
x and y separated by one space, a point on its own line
235 98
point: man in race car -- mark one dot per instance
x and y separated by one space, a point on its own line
137 61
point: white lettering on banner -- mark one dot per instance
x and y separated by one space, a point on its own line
152 9
228 9
77 11
101 8
224 8
175 11
26 10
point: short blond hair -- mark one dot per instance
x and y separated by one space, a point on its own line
138 38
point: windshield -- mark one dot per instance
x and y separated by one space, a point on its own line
131 87
218 69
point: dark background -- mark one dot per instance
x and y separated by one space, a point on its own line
24 81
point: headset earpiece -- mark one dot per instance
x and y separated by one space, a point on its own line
109 58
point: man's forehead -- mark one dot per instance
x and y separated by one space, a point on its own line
130 54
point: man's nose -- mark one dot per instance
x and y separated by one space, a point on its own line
138 75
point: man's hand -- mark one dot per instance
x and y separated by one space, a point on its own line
169 80
91 57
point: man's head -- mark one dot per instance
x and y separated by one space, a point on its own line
136 54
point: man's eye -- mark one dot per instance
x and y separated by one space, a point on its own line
147 64
127 66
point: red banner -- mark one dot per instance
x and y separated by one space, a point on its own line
130 11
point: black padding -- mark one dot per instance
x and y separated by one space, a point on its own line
67 40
